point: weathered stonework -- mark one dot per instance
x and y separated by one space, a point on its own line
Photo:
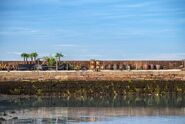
109 64
91 75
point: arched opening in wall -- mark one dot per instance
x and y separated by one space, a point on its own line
128 67
145 67
115 67
106 67
151 67
157 67
121 67
109 67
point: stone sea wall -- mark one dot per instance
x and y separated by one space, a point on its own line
90 83
91 75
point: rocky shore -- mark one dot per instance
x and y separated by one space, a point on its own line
92 88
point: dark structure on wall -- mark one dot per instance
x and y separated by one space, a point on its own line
104 65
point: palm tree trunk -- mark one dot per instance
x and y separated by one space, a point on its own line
59 59
56 65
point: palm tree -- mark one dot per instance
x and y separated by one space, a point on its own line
33 56
58 56
23 55
26 57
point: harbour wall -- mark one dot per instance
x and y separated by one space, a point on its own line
109 64
91 83
92 75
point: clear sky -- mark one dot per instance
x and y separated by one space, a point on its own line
93 29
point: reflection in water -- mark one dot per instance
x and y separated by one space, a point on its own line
127 110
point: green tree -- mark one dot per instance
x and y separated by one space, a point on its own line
59 56
25 56
33 56
50 60
46 58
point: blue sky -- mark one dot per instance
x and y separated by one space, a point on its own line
93 29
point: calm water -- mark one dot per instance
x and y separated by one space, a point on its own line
131 109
